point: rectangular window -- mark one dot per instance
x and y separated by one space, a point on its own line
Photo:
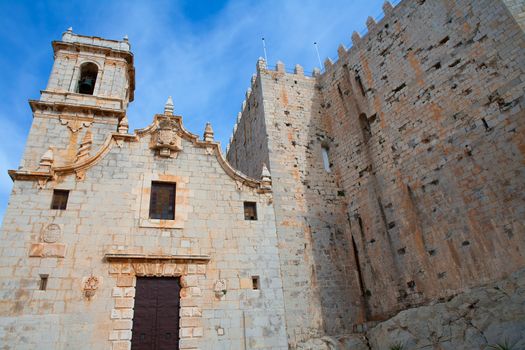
59 201
43 282
162 201
255 282
326 159
250 211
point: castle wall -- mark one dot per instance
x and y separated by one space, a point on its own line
320 280
433 173
423 121
107 212
249 149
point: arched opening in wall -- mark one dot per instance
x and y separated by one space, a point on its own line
326 158
88 77
364 123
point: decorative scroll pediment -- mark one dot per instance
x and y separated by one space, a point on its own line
166 139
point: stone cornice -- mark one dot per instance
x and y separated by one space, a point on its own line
61 107
29 175
137 257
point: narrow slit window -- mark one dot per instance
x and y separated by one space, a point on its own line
59 200
365 126
43 282
326 159
360 84
255 282
250 211
162 201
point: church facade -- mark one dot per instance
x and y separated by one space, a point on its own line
390 181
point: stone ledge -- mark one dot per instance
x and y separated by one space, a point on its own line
198 258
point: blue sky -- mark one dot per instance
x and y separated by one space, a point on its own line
203 53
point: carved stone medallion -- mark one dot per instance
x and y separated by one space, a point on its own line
51 233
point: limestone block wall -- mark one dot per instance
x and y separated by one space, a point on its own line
321 286
106 214
248 149
65 133
427 116
517 10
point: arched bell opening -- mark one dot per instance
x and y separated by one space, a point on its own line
88 77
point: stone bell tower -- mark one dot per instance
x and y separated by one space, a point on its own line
90 86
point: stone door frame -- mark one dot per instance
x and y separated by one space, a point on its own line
125 268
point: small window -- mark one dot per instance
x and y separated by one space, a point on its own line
255 282
88 77
365 126
43 282
59 201
162 201
326 159
360 84
250 211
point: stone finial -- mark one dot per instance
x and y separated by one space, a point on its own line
239 115
341 50
316 72
370 23
168 107
266 178
85 146
126 37
208 132
387 7
299 70
261 64
70 29
47 160
328 63
356 38
279 67
254 78
248 93
123 125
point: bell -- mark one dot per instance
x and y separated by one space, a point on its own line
86 85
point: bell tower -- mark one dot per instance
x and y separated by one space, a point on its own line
91 84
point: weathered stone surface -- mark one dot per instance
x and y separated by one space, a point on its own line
424 133
483 316
393 180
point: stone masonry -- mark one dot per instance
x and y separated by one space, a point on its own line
377 202
424 130
93 251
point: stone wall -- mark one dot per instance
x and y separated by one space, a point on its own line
65 133
430 150
105 233
248 149
424 130
321 285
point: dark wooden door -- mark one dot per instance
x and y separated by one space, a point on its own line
156 314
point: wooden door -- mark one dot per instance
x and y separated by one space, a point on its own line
156 314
